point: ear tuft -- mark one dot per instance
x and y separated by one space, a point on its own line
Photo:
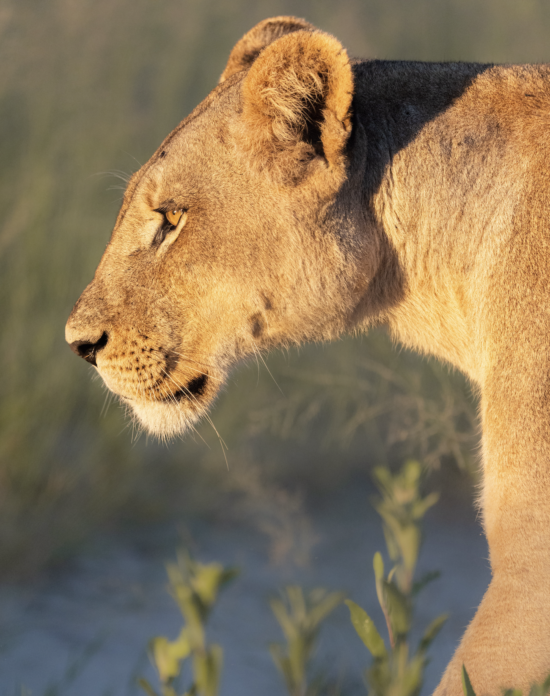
299 91
253 42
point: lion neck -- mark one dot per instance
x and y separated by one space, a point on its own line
428 163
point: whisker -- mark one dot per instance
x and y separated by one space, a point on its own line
192 396
257 367
258 353
106 402
173 398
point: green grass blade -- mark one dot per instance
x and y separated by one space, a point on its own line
431 632
366 630
467 684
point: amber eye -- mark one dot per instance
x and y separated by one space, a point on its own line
174 222
174 216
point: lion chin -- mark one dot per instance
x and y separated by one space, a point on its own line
168 412
164 420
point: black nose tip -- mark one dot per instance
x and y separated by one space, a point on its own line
88 350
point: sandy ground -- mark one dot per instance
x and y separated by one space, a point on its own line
113 599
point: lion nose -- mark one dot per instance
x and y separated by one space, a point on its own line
89 350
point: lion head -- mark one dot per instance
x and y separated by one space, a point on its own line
245 230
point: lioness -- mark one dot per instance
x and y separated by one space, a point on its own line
308 196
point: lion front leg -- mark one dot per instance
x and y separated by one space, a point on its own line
507 644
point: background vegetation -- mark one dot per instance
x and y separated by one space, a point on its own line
88 88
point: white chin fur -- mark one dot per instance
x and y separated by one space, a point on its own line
163 420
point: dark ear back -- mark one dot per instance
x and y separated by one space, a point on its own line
297 100
249 47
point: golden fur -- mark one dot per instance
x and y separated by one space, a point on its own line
322 197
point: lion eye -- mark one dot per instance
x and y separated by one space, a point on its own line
174 221
174 216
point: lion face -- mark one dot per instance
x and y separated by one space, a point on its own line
236 236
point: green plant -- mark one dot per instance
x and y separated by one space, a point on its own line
195 588
300 617
395 672
536 690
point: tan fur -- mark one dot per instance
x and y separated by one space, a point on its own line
324 197
246 50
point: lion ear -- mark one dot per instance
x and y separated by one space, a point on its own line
249 47
297 97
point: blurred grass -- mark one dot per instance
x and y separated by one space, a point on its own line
88 88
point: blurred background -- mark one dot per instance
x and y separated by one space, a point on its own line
88 89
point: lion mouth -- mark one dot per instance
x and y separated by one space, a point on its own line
195 388
172 415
